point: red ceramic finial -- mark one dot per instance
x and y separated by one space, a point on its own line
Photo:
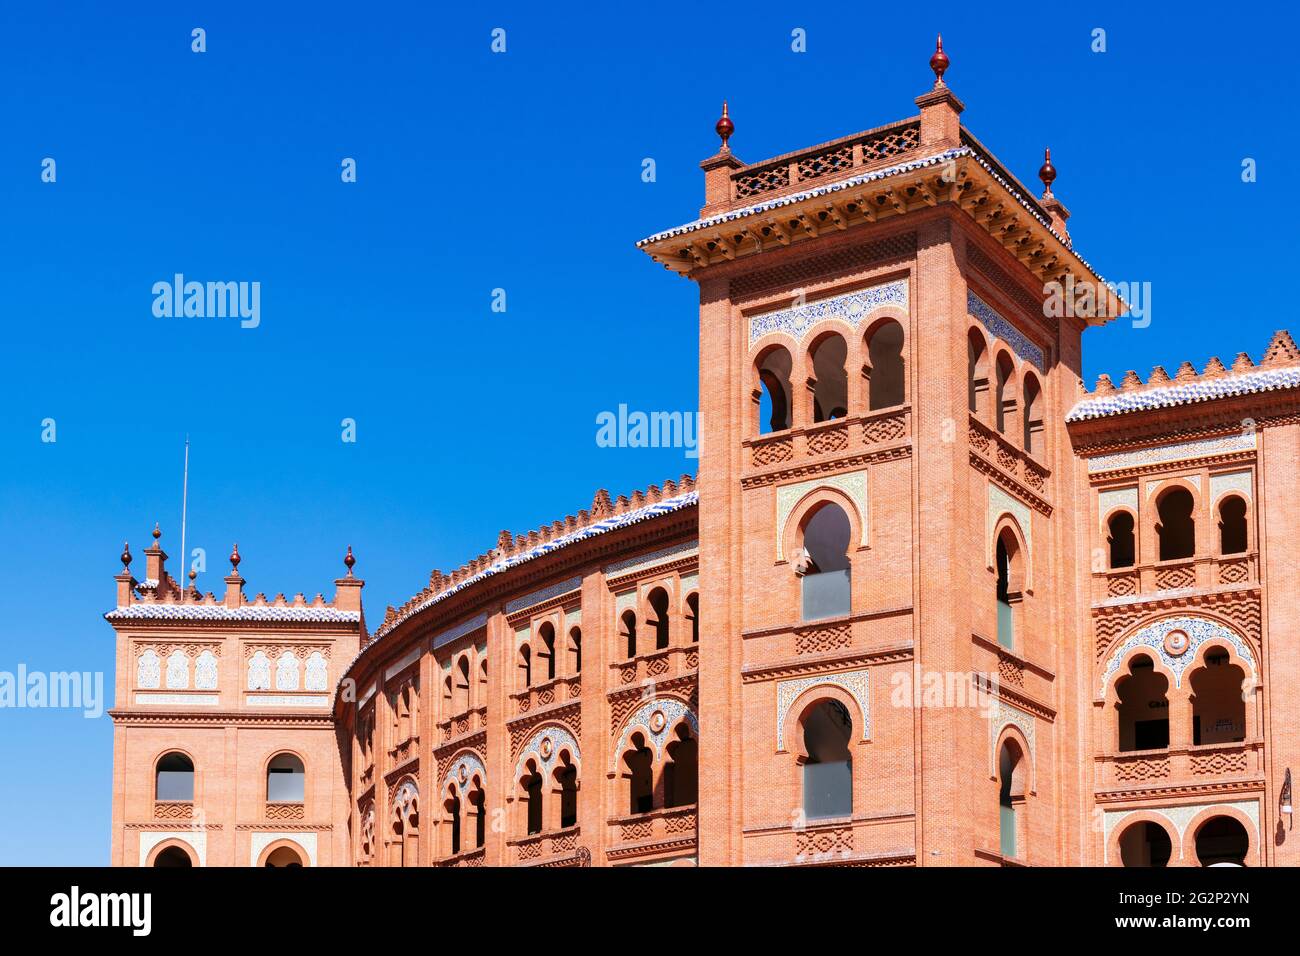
234 560
725 127
939 62
1047 172
349 560
193 575
157 532
126 555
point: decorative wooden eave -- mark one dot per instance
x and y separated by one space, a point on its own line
964 176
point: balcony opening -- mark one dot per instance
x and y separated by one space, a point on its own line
173 856
1176 527
681 772
831 389
1123 551
1218 707
1232 526
1143 709
1145 844
773 369
1222 841
640 776
627 630
977 375
658 601
888 386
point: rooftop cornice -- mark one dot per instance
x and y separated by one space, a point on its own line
964 176
266 613
1279 370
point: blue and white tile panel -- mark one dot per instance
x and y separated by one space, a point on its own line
1000 328
851 308
1199 631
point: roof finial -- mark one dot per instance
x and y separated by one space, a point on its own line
126 555
939 62
349 560
235 559
193 575
725 127
157 532
1047 173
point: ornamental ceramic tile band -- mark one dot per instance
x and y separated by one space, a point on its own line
545 745
656 719
462 771
851 308
1199 631
1000 328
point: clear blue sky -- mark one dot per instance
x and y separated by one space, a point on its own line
479 171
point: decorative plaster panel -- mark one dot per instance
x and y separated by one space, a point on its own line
856 683
853 484
1000 328
1159 454
1199 630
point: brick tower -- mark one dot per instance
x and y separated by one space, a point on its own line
893 615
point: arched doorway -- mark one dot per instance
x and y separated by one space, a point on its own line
1145 844
283 856
173 856
1222 841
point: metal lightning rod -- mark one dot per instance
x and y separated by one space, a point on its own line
185 493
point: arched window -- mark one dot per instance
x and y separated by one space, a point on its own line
566 782
575 651
1011 795
1222 841
977 372
1005 403
1218 705
482 682
1143 708
658 601
525 667
452 806
1232 525
773 390
627 630
462 684
826 578
1177 527
174 778
887 385
1010 586
532 787
693 615
546 634
1145 844
827 764
640 776
1033 416
173 856
477 797
682 771
830 395
1123 550
449 708
286 779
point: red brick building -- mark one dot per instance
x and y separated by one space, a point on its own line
932 601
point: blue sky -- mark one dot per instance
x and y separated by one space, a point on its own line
479 171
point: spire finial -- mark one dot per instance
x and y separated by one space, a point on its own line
349 560
725 127
157 532
1047 173
939 62
126 555
235 559
193 576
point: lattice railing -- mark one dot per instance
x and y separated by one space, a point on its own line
834 160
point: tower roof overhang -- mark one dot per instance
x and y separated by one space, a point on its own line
966 176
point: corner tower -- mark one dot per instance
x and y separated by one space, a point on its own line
892 649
